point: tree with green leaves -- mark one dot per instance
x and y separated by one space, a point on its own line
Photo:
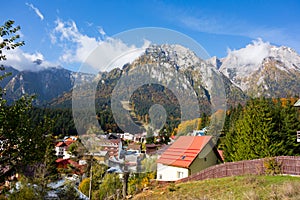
98 172
84 186
25 143
68 192
110 188
150 136
264 128
10 40
289 124
254 131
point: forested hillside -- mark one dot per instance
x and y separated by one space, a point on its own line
262 128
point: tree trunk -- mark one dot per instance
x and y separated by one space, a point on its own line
125 184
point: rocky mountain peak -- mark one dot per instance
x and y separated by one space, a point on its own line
250 68
177 54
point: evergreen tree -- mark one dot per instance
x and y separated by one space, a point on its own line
230 133
252 134
289 124
204 121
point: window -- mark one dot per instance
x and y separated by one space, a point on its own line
205 159
179 174
160 176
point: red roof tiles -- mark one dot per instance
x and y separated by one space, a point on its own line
60 144
66 143
184 150
69 142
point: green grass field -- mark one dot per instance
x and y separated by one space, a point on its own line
242 187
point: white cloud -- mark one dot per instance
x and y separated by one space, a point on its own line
202 24
252 54
76 46
113 53
36 10
95 53
101 31
24 61
238 27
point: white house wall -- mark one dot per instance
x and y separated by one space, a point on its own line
59 151
170 173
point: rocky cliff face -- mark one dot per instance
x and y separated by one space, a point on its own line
261 69
46 84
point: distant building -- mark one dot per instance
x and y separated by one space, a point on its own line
186 156
61 149
127 136
70 138
134 147
113 136
139 137
101 156
151 149
65 163
111 146
199 132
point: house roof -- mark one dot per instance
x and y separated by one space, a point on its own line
221 153
68 143
183 151
134 146
100 153
67 161
297 104
60 144
114 141
65 143
70 139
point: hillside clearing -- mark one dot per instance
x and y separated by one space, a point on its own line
242 187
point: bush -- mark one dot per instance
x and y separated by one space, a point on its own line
272 167
84 186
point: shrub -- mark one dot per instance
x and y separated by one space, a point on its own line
272 166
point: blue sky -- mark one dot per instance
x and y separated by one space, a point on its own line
58 31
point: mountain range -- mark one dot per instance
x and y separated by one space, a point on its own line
259 69
46 84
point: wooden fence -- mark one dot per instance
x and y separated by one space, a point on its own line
289 165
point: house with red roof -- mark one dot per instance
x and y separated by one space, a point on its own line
70 164
61 149
186 156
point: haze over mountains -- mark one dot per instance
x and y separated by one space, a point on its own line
259 69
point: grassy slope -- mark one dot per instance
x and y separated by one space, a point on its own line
245 187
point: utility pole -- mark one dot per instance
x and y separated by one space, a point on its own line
91 176
125 183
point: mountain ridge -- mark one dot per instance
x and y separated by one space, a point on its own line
261 69
47 84
275 71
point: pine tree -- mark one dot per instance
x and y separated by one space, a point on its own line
251 136
230 133
289 124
